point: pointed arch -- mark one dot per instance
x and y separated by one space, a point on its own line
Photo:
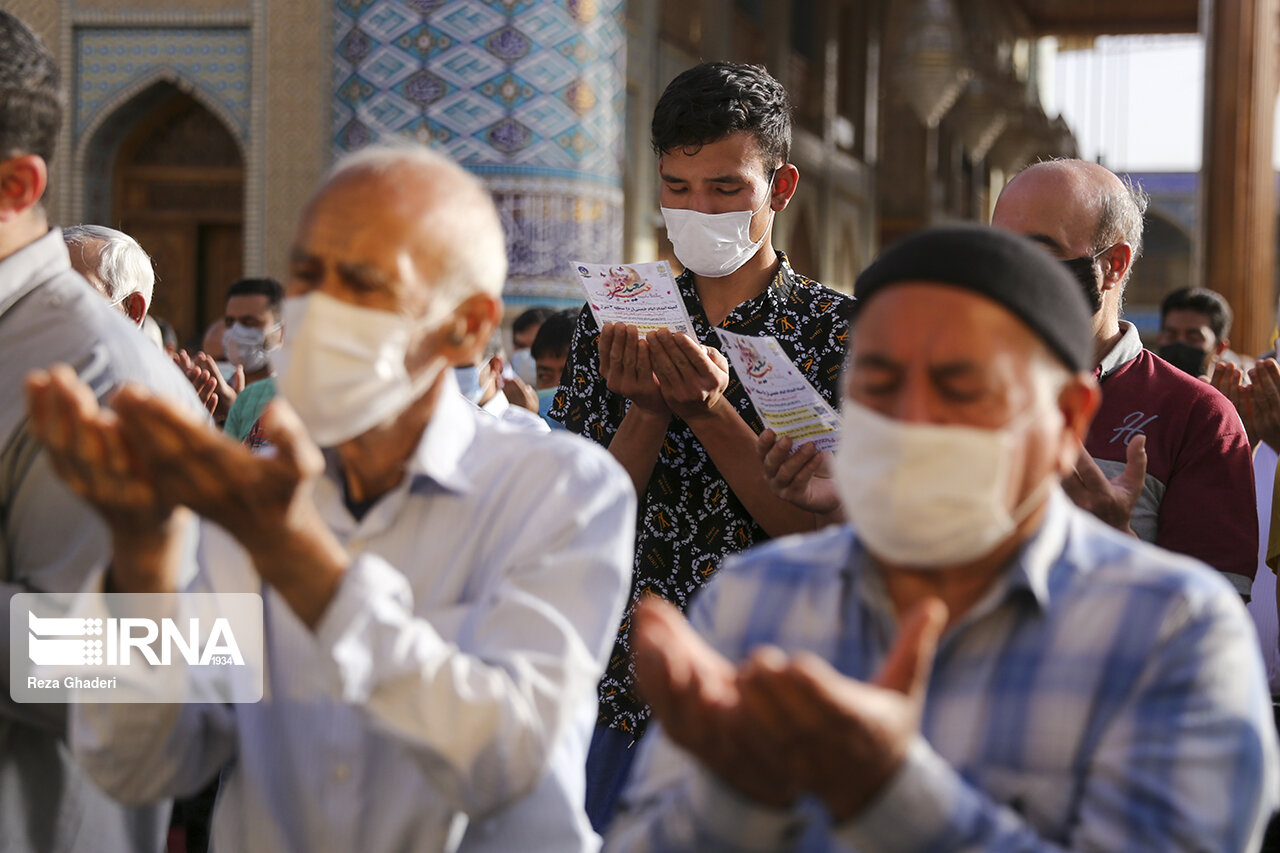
166 167
154 77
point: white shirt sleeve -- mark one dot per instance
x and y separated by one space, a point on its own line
484 711
145 753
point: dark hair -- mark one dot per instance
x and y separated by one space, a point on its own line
1203 301
715 99
535 316
268 287
30 98
555 335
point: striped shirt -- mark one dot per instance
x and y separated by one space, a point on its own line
1104 695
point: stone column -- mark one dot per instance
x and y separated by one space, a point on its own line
640 177
527 95
1238 185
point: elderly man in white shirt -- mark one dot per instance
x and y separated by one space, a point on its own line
440 591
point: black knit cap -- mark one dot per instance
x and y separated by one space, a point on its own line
1007 268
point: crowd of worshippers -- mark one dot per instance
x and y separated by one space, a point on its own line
570 592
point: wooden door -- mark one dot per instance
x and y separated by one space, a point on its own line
178 188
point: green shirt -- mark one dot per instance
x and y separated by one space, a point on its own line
248 407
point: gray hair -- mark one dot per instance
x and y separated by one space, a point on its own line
464 220
1121 218
123 265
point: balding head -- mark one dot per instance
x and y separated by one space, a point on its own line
392 231
1083 212
1074 207
448 217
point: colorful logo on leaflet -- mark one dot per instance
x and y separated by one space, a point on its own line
757 365
623 282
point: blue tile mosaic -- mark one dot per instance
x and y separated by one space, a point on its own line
110 61
525 93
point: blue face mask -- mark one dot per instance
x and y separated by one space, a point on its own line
546 396
469 383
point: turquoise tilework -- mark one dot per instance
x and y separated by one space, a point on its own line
527 94
530 85
110 60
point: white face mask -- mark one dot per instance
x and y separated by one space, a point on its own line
714 244
247 346
926 496
343 367
523 365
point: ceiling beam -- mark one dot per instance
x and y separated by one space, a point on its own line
1085 18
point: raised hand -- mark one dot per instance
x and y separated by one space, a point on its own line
203 380
694 693
1229 380
251 496
264 501
1262 398
227 391
802 478
692 377
627 370
1110 500
827 723
89 451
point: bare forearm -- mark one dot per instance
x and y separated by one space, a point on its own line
149 562
638 442
731 445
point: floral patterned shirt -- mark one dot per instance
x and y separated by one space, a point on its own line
688 518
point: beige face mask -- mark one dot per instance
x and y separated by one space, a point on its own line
927 496
342 367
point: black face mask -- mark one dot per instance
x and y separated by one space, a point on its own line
1185 357
1085 273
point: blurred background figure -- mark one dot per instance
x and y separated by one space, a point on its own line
252 328
484 384
523 330
115 264
1194 324
162 332
236 351
550 350
253 333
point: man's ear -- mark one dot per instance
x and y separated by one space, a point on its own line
468 330
784 187
135 306
1078 402
23 180
1221 346
1115 265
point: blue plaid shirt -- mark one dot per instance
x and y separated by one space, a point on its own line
1105 695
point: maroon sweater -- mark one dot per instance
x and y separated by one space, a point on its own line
1198 498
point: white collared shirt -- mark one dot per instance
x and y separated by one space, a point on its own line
452 675
500 407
